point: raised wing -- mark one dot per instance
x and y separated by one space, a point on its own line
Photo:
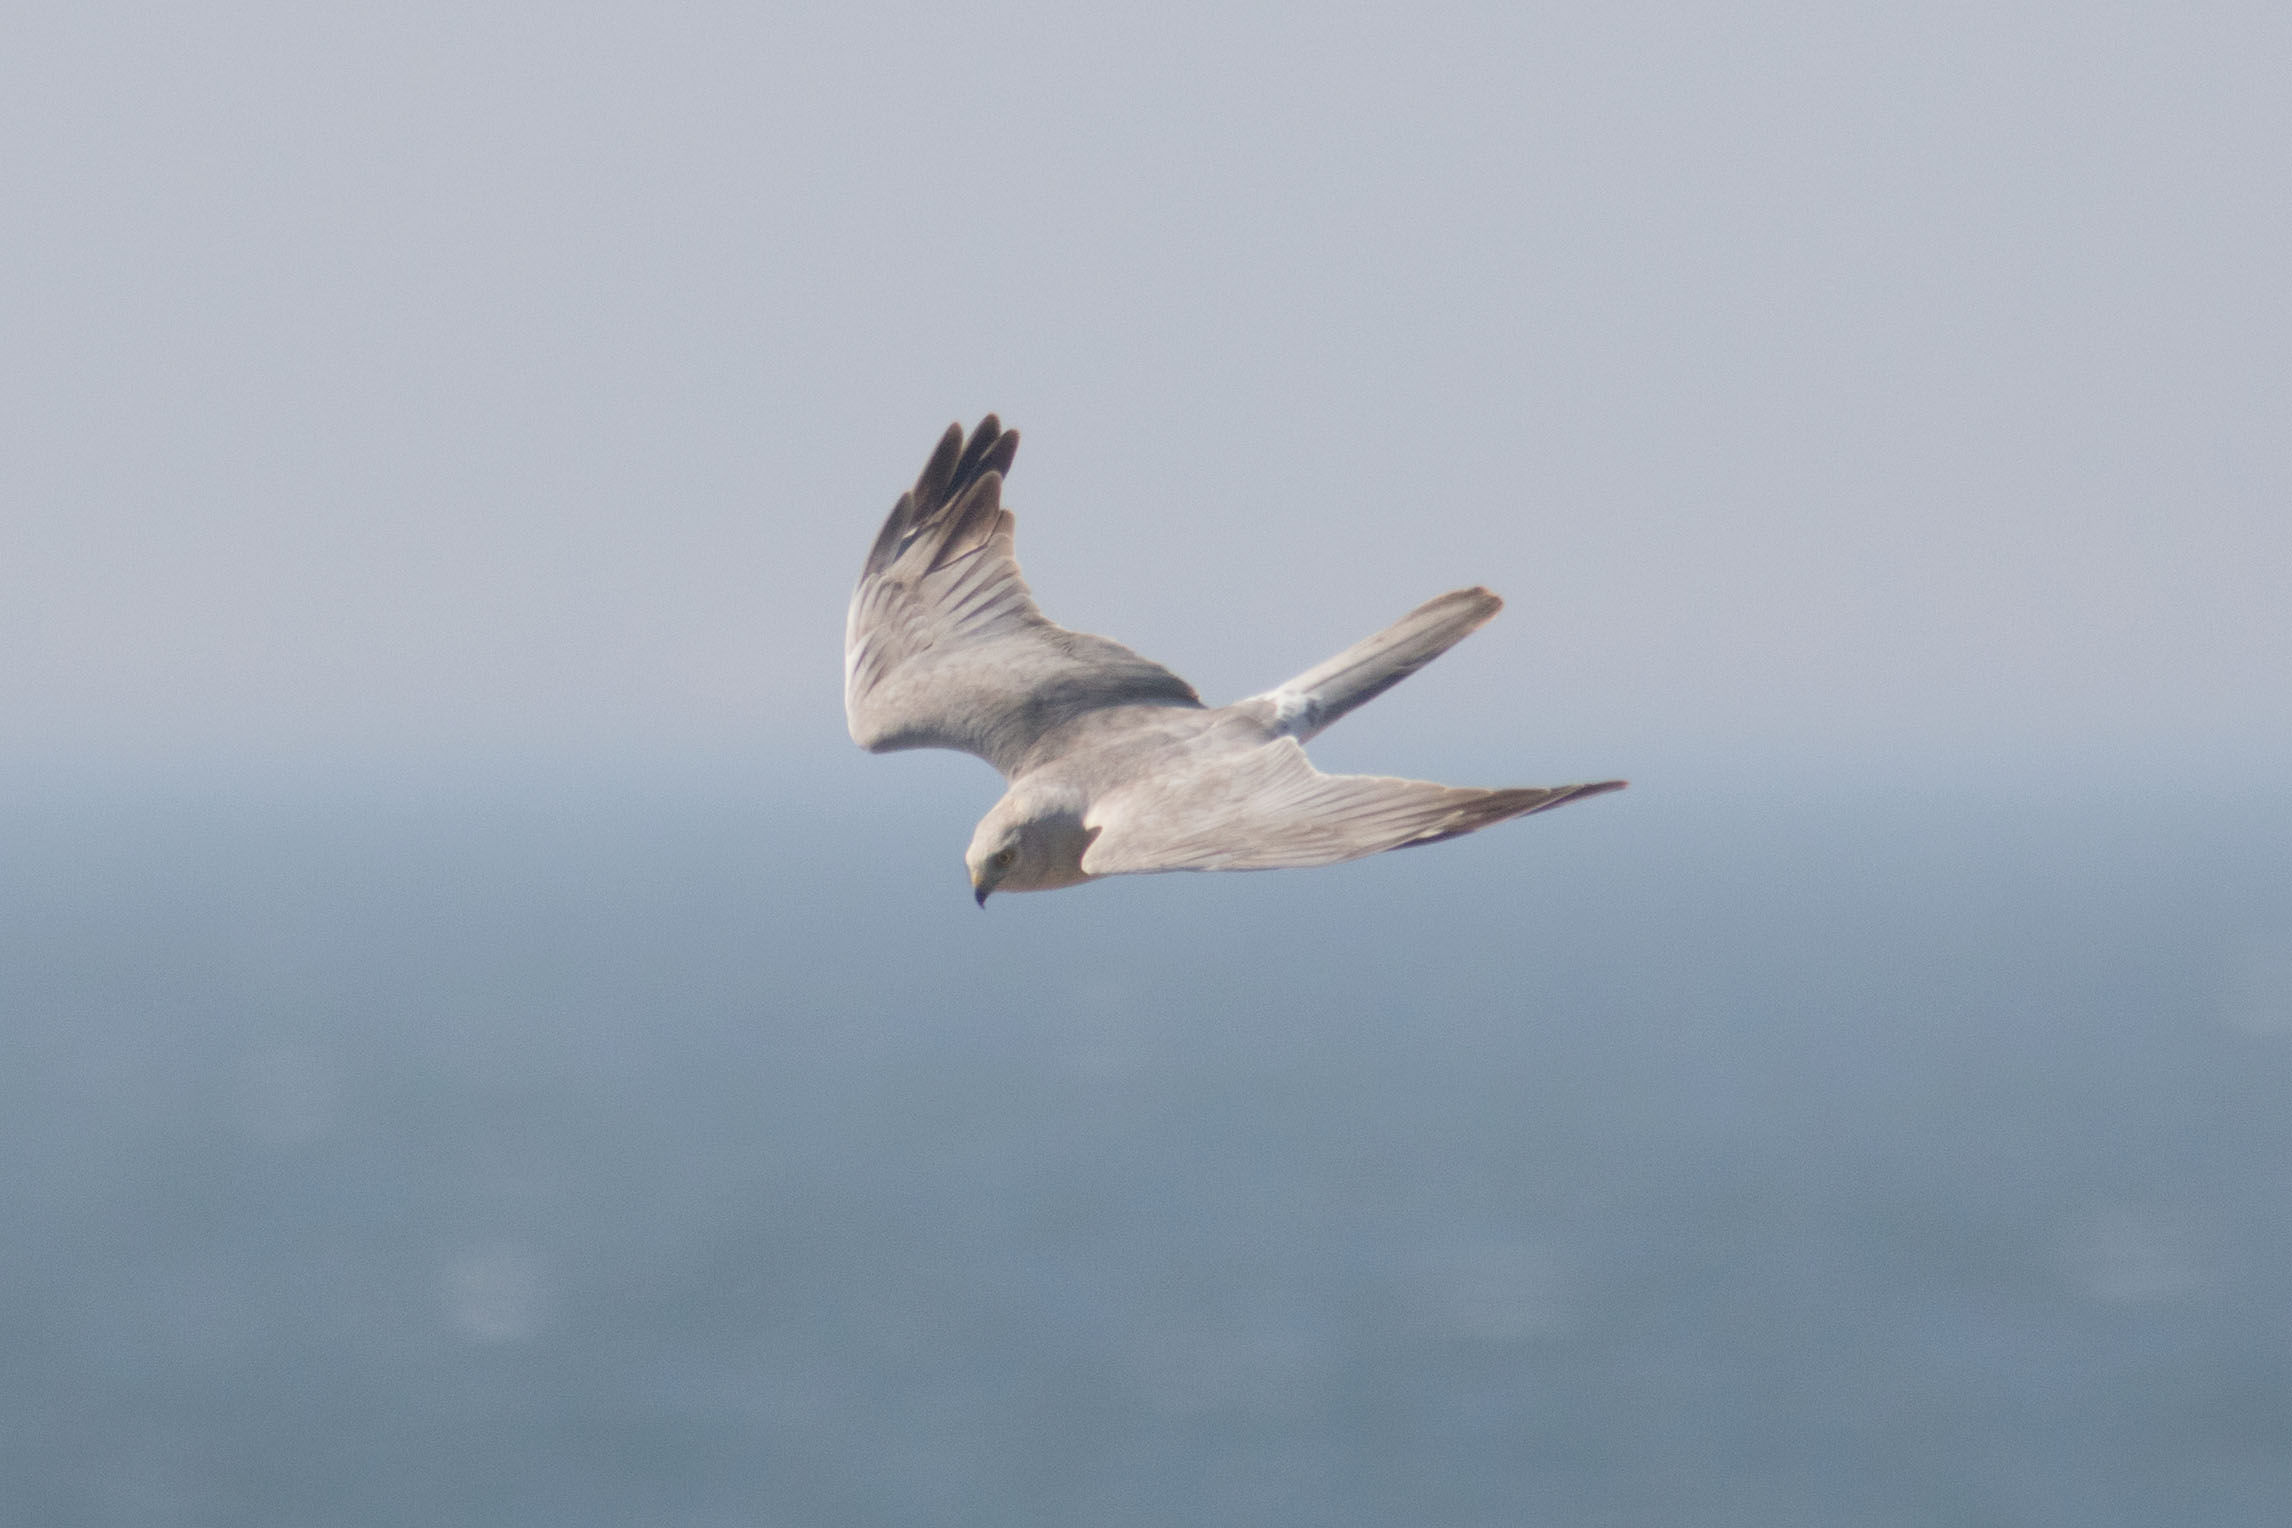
945 648
1270 809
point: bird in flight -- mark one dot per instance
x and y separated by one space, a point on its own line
1115 766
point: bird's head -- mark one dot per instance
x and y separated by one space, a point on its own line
992 858
1029 842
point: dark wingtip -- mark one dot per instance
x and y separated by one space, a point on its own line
938 475
989 449
1000 455
895 524
959 486
969 518
983 437
1568 793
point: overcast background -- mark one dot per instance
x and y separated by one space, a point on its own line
1853 380
479 1047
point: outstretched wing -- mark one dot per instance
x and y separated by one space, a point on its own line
1270 809
944 647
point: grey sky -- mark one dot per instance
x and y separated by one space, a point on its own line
1858 378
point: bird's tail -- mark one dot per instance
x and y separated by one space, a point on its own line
1304 705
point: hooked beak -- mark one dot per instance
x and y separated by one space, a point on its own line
979 894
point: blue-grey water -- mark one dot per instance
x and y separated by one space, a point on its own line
493 1152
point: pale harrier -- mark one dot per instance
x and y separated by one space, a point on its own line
1115 765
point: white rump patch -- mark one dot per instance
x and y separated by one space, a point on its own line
1294 712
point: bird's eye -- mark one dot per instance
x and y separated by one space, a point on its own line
1003 858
